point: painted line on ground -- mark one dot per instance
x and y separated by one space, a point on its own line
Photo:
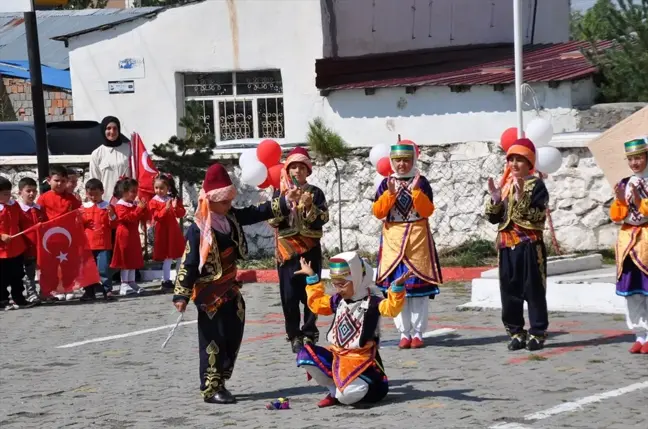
572 406
126 335
578 404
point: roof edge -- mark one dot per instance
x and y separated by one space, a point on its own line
147 15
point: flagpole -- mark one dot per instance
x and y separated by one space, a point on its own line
517 44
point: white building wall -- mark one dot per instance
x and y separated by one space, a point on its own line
360 27
286 35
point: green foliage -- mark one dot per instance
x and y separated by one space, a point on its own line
148 3
187 158
325 142
593 23
86 4
623 66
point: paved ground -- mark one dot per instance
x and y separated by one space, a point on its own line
464 379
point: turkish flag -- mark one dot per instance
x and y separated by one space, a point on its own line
65 261
142 167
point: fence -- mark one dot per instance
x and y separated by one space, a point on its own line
459 187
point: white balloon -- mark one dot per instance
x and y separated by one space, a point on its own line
378 180
548 159
378 152
248 156
254 173
539 131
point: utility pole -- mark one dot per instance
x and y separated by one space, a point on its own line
38 104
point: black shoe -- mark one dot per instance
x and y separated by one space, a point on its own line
535 343
167 286
88 296
223 396
518 342
297 344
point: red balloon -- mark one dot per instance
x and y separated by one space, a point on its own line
384 167
508 138
266 182
269 153
274 175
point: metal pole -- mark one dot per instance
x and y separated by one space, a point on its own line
38 105
517 43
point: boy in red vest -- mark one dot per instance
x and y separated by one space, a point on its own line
11 249
33 215
99 219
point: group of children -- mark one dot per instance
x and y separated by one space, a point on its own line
111 229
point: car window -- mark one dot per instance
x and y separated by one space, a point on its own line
16 142
74 138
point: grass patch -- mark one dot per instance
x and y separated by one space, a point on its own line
618 318
472 253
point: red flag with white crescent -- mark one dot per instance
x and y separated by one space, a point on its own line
144 171
66 263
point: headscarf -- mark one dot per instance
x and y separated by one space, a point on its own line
104 124
350 267
638 180
217 187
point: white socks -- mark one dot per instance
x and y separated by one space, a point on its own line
166 268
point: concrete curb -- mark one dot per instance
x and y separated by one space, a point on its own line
271 276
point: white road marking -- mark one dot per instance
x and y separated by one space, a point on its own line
438 332
510 426
573 406
128 334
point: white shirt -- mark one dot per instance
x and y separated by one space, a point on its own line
108 164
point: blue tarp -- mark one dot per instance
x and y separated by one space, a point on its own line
51 76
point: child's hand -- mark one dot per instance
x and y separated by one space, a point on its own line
174 203
306 268
306 201
619 193
293 195
519 187
402 279
111 210
168 204
141 204
5 238
496 193
391 185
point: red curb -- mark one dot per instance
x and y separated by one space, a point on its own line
449 274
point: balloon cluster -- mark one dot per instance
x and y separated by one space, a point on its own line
540 132
379 157
261 167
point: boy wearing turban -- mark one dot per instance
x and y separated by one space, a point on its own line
518 205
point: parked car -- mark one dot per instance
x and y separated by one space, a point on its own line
64 138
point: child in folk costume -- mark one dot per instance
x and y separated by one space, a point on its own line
351 368
631 207
405 202
519 206
208 276
127 254
34 214
298 235
99 219
165 209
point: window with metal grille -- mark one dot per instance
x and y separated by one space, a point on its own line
239 106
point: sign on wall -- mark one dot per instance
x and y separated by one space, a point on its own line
15 6
130 68
121 87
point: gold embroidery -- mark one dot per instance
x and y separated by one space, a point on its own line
543 275
493 209
276 207
182 272
520 212
212 376
240 310
182 291
239 239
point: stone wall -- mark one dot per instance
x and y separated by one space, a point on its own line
16 102
580 196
